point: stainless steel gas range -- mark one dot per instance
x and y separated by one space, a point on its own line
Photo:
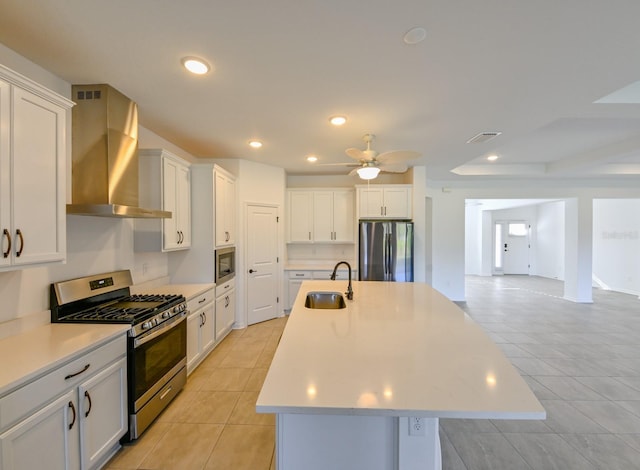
157 342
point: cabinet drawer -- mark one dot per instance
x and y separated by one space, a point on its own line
226 287
34 395
300 275
201 300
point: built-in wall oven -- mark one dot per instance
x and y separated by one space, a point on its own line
225 259
156 344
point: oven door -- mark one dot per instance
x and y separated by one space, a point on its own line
154 359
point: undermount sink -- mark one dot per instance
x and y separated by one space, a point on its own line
326 300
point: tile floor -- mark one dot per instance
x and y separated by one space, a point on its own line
212 423
581 360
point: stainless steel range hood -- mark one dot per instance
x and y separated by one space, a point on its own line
105 155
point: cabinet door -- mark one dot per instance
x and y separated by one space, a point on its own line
300 216
225 204
5 177
343 217
47 439
323 216
371 202
38 174
183 205
397 203
292 292
208 327
225 313
193 340
170 233
230 210
103 412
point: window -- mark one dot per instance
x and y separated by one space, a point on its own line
518 229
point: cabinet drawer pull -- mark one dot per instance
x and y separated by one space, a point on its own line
204 299
6 233
299 274
77 373
19 235
73 410
86 394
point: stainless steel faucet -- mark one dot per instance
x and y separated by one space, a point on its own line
333 278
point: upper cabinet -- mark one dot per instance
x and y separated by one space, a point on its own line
33 156
225 207
321 216
392 201
165 183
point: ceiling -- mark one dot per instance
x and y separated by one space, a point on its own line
529 70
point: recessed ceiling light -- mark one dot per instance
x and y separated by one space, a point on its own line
256 144
415 35
312 158
492 158
195 65
337 120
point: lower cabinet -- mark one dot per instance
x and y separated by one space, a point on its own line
201 328
225 309
57 427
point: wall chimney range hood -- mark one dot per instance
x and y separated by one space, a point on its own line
104 139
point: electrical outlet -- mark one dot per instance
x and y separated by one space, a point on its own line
416 426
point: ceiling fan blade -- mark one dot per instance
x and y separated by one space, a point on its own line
397 156
337 164
393 167
354 171
356 154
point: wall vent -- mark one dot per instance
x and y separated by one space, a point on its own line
483 137
89 95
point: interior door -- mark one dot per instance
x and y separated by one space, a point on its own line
262 263
512 247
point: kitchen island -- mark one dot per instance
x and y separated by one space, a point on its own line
348 384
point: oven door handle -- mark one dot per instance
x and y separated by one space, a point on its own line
160 330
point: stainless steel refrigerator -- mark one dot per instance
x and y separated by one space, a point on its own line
386 251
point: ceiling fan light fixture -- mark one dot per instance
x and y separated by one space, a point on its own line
195 65
368 172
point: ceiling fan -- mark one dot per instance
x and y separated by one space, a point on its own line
371 163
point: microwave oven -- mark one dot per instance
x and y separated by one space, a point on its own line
225 264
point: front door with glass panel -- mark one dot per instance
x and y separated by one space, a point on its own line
511 247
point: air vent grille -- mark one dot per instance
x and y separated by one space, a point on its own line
483 137
89 94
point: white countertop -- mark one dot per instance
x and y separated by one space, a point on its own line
30 354
315 267
398 349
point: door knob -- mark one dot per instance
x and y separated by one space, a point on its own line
252 271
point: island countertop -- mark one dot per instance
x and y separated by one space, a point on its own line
397 349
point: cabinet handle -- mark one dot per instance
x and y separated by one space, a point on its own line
299 274
385 210
204 316
77 373
202 301
19 234
226 301
6 233
309 235
86 394
381 210
181 237
73 410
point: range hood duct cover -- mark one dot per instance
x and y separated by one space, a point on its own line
104 153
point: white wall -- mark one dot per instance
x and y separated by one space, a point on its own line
616 244
550 240
473 246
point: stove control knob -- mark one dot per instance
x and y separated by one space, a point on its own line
176 309
146 325
166 314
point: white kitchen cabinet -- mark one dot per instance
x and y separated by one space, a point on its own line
225 207
300 216
333 218
33 156
225 309
384 201
165 183
72 417
321 216
201 328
